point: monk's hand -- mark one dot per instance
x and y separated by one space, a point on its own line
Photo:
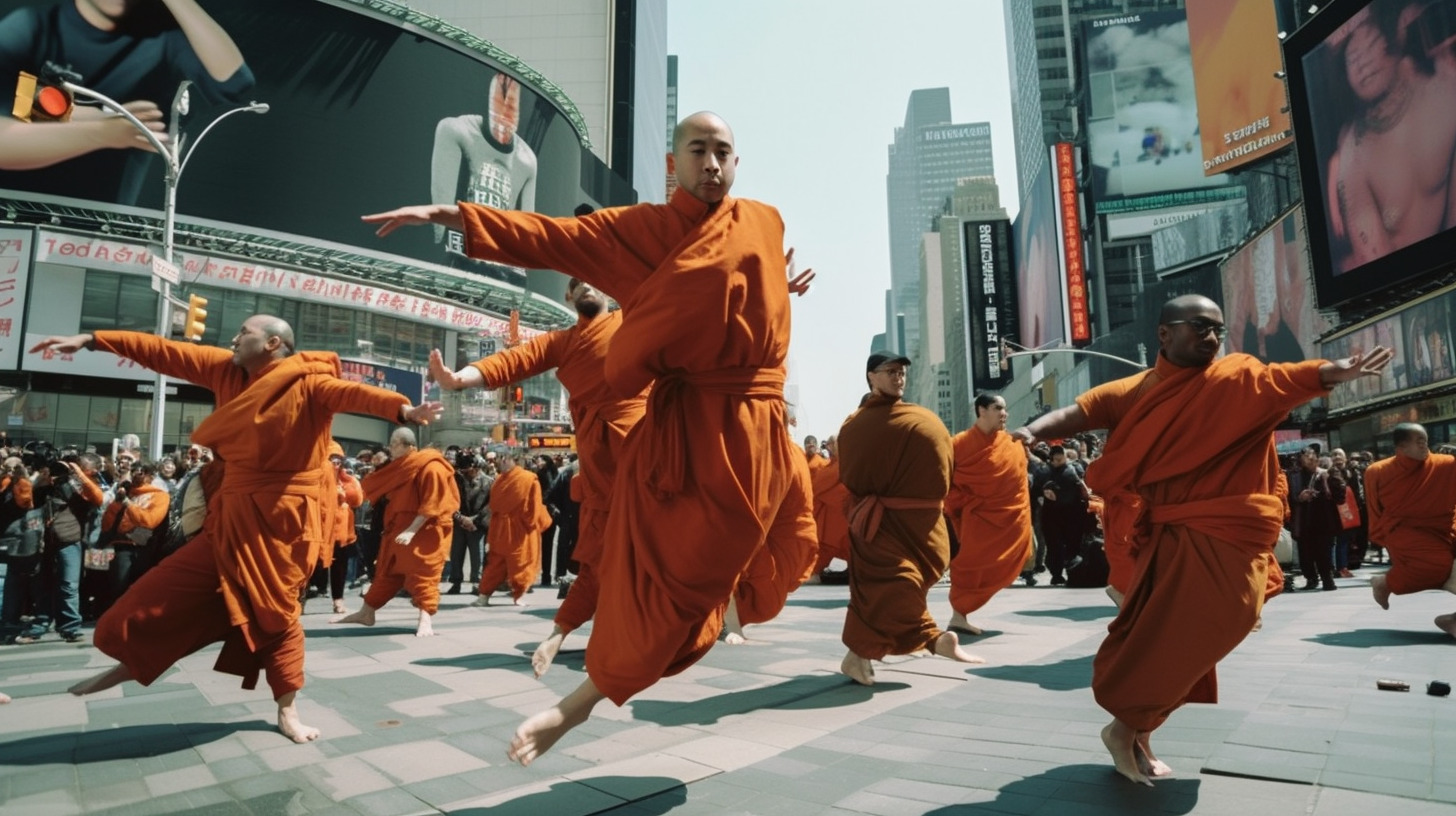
445 215
1370 364
63 345
424 413
404 539
442 375
798 281
1024 436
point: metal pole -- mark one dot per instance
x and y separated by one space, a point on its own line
164 309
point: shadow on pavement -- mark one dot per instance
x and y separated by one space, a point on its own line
797 694
639 795
1083 789
1371 638
1076 613
126 742
1064 675
489 660
818 603
353 630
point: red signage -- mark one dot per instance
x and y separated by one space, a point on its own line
1070 221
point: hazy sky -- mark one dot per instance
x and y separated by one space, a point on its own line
814 90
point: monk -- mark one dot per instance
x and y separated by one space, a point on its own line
703 285
830 499
347 495
1198 516
240 579
517 517
601 420
781 566
418 526
1411 500
990 509
895 461
812 455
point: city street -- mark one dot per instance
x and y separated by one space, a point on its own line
420 726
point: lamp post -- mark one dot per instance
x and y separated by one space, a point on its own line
176 159
1139 364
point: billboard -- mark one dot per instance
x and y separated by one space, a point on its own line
991 311
1142 112
1236 55
1268 295
1370 86
1041 313
1070 244
365 115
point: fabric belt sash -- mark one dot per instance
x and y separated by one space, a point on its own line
664 430
1250 521
868 511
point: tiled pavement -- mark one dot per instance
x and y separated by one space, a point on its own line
419 726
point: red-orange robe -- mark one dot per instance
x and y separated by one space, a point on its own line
1411 504
341 495
895 459
517 517
990 507
831 524
704 292
785 561
601 420
145 508
421 483
241 578
1190 488
816 461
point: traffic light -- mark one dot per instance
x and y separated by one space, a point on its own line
196 323
518 396
39 100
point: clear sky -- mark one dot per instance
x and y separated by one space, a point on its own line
814 90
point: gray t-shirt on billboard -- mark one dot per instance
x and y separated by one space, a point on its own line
496 175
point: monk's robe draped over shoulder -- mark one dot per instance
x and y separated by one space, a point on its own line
1411 504
990 508
895 461
832 526
421 483
1190 488
517 517
704 293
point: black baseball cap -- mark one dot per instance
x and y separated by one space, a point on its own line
879 358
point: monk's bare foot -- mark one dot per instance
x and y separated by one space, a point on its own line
1120 741
426 626
113 676
537 734
481 600
947 645
959 623
1115 596
1147 763
4 698
1447 624
1380 588
519 601
1258 624
289 724
339 608
732 626
546 652
859 669
364 616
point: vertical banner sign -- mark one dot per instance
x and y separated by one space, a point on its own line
15 247
1069 240
991 303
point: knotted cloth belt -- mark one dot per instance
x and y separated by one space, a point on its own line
664 428
868 511
1249 520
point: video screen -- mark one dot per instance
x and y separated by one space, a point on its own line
1042 318
1268 296
1242 115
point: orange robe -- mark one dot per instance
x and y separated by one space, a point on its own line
1410 503
990 508
1274 583
1190 494
517 517
146 508
785 561
420 484
816 462
241 578
601 419
832 526
895 459
706 473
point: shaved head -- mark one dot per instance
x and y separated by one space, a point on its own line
402 436
279 328
706 119
1183 306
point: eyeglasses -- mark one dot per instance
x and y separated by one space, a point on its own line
1201 327
893 372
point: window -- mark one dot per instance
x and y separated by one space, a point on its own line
113 301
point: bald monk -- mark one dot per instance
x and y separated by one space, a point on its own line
1411 500
1199 516
418 525
895 461
240 579
517 517
348 495
703 285
990 508
601 420
830 500
812 455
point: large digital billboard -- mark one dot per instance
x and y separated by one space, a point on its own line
1268 297
1039 268
1371 86
991 313
1241 111
364 116
1142 111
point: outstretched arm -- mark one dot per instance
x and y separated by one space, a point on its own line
1060 423
1369 364
33 145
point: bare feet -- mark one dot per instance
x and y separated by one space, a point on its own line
959 623
948 645
365 616
518 602
339 608
859 669
113 676
1115 596
537 734
1258 624
1147 763
1121 741
481 600
546 652
732 626
289 724
1447 624
1380 588
4 698
426 627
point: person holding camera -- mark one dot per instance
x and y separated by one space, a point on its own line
139 506
23 559
69 491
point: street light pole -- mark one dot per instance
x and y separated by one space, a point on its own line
171 152
1138 364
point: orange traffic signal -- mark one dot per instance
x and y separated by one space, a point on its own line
37 100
